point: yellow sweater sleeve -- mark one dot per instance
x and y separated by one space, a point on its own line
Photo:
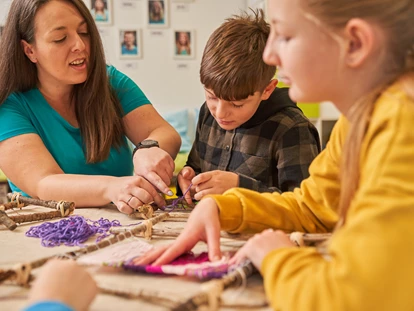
369 262
310 208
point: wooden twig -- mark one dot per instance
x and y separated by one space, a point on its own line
7 206
7 221
45 203
36 217
211 290
14 273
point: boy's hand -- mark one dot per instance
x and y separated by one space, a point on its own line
184 180
214 182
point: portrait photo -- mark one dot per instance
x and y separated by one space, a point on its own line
184 44
130 43
158 13
101 11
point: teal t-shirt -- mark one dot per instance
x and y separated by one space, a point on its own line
29 112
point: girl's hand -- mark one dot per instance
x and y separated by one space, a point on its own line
257 247
202 225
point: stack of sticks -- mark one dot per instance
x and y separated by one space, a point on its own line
17 201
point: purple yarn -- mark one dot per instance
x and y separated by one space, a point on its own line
175 202
71 231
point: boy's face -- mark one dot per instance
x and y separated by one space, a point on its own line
231 114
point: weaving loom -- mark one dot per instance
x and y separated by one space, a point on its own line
146 292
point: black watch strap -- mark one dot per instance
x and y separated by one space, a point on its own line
148 143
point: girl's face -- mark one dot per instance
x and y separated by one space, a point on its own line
62 45
308 58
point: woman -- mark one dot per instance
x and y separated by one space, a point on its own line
68 116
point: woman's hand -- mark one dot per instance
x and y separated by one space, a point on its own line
214 182
128 193
184 181
156 166
257 247
202 225
66 282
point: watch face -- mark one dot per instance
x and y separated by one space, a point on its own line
149 143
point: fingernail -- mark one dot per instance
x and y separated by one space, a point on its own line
216 258
170 193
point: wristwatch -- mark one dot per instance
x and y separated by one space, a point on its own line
148 143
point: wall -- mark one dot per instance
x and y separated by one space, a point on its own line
170 84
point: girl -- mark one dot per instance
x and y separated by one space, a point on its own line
358 54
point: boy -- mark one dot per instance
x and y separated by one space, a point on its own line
249 133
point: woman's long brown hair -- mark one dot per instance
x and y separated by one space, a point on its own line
98 110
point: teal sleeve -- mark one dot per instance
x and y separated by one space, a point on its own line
14 119
48 306
129 94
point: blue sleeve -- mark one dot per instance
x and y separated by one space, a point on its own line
14 119
48 306
129 94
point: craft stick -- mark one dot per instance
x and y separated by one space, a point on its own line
45 203
13 273
7 221
212 290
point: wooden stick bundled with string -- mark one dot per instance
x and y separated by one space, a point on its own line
21 273
63 209
211 290
16 197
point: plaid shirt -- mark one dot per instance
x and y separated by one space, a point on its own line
270 152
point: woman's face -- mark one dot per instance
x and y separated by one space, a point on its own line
62 45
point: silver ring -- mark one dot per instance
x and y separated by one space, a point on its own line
130 199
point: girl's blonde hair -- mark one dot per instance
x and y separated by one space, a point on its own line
396 18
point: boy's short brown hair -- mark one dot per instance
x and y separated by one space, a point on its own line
232 65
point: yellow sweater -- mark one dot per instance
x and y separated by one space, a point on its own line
371 264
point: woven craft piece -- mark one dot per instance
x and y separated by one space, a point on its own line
189 264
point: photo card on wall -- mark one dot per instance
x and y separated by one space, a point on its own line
158 13
101 11
130 46
184 44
